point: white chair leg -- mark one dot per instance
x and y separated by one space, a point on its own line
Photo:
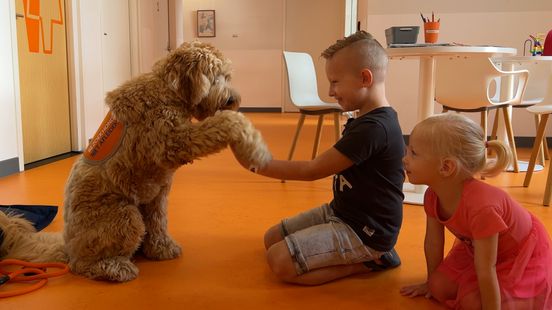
295 137
337 125
495 126
544 149
484 122
547 189
534 152
545 146
318 135
510 132
297 131
541 156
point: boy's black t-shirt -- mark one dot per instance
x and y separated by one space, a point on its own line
368 195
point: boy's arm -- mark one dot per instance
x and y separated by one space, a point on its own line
485 252
328 163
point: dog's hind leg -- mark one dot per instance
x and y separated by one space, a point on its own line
101 244
157 244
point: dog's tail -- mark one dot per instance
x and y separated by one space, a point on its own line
20 240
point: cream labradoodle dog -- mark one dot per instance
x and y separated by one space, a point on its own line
116 195
18 239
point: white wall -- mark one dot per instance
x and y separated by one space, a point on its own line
96 33
492 22
8 88
153 34
89 38
250 34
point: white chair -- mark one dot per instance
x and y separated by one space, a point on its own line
469 85
543 109
303 91
537 85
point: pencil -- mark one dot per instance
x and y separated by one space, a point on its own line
423 18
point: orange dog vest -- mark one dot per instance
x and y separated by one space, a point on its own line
106 140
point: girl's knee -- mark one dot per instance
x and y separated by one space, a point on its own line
471 301
441 287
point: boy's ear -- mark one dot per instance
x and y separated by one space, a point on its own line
448 167
367 77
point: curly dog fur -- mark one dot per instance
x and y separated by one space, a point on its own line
21 241
183 110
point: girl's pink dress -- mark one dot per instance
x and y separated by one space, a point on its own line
524 257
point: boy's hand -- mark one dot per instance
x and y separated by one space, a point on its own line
244 162
416 290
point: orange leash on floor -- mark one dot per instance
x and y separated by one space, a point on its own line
29 272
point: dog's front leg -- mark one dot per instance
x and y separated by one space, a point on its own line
215 133
157 243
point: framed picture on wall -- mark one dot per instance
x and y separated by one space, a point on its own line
206 26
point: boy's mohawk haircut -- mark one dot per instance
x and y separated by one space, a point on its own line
339 44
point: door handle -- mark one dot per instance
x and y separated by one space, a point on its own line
19 15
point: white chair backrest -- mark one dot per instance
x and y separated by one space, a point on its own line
548 94
465 83
303 88
540 76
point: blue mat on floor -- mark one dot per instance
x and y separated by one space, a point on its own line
39 215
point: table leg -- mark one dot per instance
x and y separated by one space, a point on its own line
506 92
414 194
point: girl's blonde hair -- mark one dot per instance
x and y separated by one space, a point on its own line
458 137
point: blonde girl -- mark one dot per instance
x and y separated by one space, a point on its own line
501 257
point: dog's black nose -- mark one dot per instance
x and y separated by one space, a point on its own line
230 101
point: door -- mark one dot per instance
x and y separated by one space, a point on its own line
43 78
153 29
115 44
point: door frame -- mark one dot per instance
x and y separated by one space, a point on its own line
75 74
16 85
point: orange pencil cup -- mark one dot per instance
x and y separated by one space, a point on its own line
431 32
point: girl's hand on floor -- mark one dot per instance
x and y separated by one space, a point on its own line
416 290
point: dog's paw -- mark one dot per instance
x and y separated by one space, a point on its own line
116 269
247 143
251 151
161 249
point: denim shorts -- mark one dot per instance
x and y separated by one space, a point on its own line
317 239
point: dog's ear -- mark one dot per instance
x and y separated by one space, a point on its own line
189 70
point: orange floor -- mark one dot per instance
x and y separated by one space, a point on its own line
219 212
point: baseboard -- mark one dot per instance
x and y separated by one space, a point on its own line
524 142
527 142
9 166
50 160
260 110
